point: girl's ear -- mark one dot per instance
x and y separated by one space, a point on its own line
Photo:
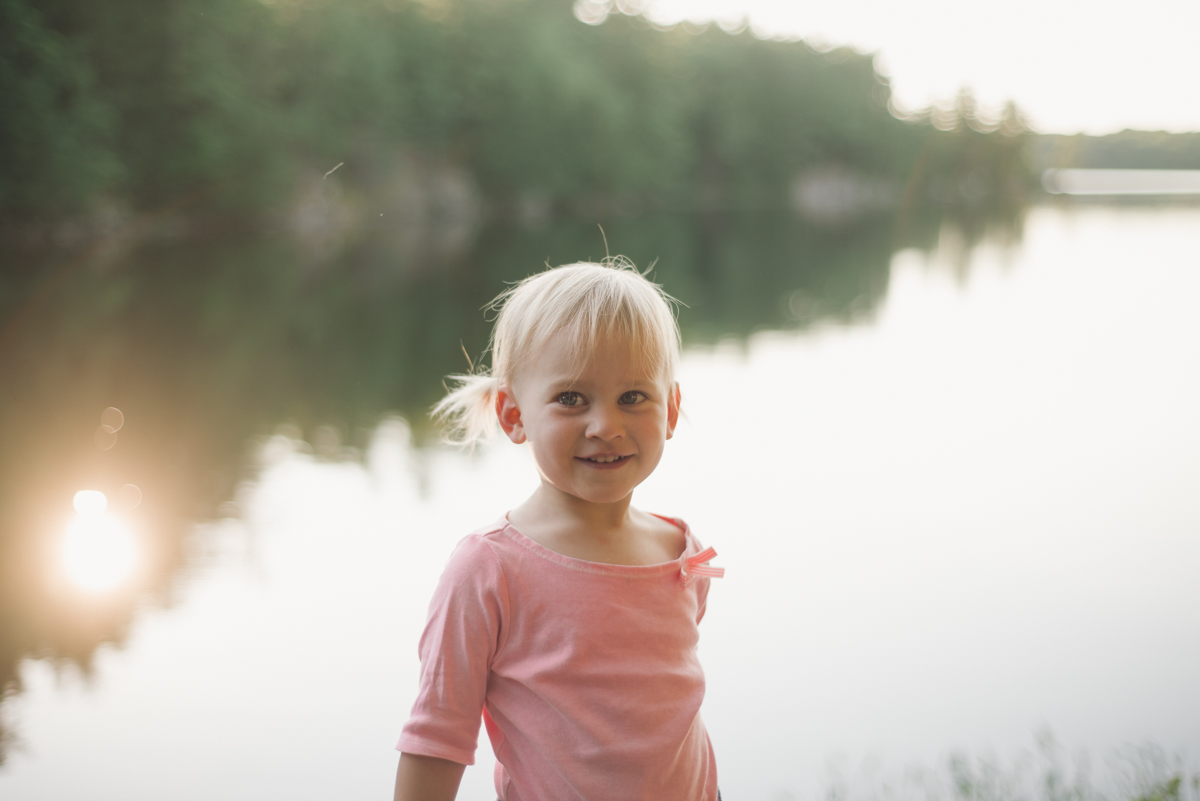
509 414
673 410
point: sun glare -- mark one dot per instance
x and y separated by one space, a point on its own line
90 502
98 552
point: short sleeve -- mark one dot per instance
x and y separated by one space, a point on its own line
461 638
702 584
702 587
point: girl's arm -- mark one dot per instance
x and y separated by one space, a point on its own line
426 778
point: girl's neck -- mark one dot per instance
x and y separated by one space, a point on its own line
611 533
551 508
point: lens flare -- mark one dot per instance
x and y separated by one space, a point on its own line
98 552
112 418
130 495
105 437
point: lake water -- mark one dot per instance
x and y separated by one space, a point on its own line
957 495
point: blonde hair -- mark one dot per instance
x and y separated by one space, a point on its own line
590 303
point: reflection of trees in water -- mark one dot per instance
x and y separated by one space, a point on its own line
205 346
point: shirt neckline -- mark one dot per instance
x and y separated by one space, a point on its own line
604 568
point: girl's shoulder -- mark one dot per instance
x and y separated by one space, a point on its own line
489 531
475 553
691 544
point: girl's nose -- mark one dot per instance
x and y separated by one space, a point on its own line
605 423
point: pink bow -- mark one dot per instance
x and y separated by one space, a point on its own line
694 566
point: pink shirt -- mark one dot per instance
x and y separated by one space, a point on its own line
586 673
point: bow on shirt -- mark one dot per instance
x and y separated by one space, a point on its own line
694 567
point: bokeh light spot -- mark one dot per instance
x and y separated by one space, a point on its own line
112 418
106 437
592 12
129 495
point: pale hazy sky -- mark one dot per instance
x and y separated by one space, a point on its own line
1072 66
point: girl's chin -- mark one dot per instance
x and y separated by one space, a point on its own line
601 496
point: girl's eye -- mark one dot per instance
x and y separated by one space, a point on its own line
632 397
569 398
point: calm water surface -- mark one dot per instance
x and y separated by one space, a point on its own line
958 506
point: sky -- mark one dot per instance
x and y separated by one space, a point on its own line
1072 67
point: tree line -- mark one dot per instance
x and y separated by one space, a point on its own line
1124 150
225 105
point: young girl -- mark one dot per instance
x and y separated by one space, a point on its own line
570 623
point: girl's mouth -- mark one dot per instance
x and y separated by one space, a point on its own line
604 461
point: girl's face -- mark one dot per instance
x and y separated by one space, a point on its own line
596 432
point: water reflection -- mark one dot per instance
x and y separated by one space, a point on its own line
145 375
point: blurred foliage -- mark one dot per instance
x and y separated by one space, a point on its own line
976 172
226 104
53 122
1045 773
1167 790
